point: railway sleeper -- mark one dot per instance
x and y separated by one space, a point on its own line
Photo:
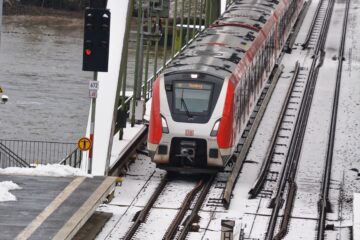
194 225
264 195
215 200
273 202
271 179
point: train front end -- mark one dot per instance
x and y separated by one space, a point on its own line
185 118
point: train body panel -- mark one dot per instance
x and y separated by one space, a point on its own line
203 100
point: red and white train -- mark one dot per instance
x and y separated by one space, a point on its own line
203 100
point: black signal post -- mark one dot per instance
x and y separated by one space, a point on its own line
95 54
96 40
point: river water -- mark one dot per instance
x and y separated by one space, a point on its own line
40 71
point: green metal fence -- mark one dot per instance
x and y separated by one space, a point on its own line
158 30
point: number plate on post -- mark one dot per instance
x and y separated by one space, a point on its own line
93 88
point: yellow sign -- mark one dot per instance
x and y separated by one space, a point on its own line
84 144
1 90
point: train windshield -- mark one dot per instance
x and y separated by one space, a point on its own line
192 98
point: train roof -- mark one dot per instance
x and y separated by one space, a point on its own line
219 48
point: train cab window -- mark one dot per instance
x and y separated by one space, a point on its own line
192 98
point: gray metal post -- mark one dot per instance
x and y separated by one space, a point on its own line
92 128
137 94
137 81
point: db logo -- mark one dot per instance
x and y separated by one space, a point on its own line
189 132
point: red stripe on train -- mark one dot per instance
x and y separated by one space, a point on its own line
155 127
225 133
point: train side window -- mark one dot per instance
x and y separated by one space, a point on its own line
241 95
257 72
272 44
268 54
252 78
263 61
238 100
246 97
248 79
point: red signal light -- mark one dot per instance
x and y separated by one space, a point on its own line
88 52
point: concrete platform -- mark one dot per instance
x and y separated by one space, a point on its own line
51 207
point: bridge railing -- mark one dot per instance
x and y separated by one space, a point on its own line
24 153
161 31
10 159
73 159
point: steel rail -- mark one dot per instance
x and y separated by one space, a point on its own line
255 190
323 203
196 208
143 214
294 151
171 231
311 29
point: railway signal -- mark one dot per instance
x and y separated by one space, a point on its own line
96 39
95 54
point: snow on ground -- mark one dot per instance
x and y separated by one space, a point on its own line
356 216
304 228
119 223
5 187
53 170
130 197
156 224
120 146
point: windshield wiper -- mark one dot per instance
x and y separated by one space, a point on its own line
185 106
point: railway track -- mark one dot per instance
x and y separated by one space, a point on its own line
204 185
287 178
324 202
141 217
193 197
277 139
316 25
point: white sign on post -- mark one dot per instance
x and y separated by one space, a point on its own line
93 85
93 88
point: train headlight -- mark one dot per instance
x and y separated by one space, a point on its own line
165 128
215 129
